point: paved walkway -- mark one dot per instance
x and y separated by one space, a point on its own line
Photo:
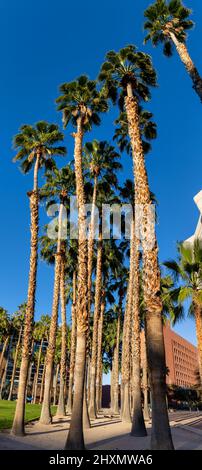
105 434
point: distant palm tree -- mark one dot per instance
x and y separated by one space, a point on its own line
37 147
17 323
5 326
128 75
167 23
81 103
187 272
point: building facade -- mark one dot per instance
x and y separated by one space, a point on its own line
181 359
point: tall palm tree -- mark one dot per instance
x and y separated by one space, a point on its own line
81 103
60 183
37 146
168 23
129 74
187 272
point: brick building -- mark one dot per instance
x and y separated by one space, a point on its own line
181 359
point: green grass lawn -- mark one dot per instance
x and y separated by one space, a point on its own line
7 410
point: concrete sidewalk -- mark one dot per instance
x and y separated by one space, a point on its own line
105 434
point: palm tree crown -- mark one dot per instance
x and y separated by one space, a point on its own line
188 271
164 17
127 67
41 138
102 160
81 98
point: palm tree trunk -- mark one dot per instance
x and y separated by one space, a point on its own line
161 435
112 386
3 351
63 365
98 288
86 418
99 357
42 383
91 244
37 372
55 385
126 350
46 417
115 409
75 439
138 425
6 367
189 65
198 321
145 384
15 365
72 348
18 422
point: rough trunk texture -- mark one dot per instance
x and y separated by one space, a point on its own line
18 422
126 349
145 383
161 434
198 321
75 439
15 364
189 65
55 385
63 363
91 245
99 357
37 372
98 289
72 348
115 409
138 425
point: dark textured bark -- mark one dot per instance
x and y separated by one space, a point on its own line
161 435
18 422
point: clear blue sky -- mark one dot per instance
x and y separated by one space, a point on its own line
44 43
